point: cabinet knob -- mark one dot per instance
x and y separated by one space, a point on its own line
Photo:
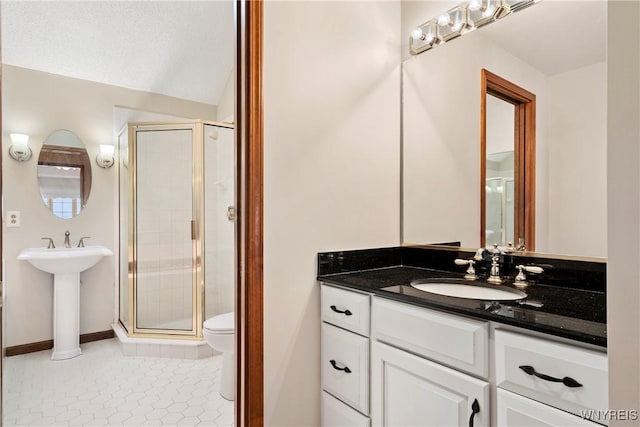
345 312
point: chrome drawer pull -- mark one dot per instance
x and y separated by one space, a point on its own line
567 381
345 312
335 366
475 408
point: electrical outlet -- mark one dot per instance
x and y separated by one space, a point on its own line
13 218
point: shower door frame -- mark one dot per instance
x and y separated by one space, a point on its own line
197 229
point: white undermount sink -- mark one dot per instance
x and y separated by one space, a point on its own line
65 264
64 260
460 290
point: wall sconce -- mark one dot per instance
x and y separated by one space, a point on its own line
104 159
463 18
19 149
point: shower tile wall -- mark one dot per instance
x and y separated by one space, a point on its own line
219 231
165 248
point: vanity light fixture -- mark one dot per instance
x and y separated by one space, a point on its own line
104 159
19 149
461 19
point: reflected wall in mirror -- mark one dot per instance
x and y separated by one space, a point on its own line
64 174
561 60
508 156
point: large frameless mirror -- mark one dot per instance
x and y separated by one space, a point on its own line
64 174
444 187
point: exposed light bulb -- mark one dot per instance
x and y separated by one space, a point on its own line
457 25
429 38
444 19
475 5
417 34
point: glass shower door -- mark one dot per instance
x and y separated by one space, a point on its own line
165 241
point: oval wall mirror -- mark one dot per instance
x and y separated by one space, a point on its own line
64 174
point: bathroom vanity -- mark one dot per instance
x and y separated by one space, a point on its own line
393 355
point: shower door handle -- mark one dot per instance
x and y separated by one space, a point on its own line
193 230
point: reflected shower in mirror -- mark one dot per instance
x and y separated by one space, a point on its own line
560 59
64 174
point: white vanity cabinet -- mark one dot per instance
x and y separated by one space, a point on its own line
410 384
345 357
387 363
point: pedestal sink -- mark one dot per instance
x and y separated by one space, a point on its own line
65 264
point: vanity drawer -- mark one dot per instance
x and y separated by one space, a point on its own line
347 309
345 366
518 411
452 340
516 353
337 414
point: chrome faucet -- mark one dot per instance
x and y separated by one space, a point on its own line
494 272
67 244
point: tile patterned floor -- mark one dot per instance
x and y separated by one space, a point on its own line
102 387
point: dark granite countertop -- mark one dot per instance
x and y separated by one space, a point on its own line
569 312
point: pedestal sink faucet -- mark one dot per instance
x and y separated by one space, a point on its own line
67 244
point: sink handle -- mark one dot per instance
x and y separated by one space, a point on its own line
81 241
471 272
521 277
50 245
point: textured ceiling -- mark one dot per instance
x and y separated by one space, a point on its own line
183 49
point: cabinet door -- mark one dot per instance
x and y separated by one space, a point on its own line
518 411
407 390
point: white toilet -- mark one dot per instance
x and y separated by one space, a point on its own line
219 332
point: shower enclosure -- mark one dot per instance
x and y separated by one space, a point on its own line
176 226
500 210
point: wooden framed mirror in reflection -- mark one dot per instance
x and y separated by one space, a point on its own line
546 51
508 163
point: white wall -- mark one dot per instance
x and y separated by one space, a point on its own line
226 104
38 103
623 206
577 166
331 170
